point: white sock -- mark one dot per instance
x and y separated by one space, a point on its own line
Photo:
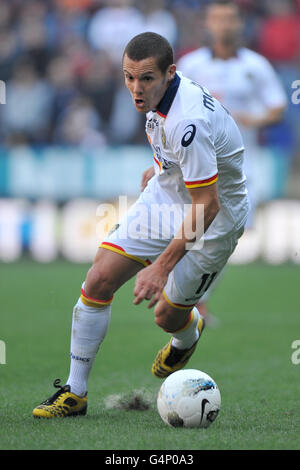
89 327
188 335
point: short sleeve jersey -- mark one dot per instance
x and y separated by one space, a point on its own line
196 143
244 83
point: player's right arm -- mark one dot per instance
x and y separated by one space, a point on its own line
194 148
203 210
151 280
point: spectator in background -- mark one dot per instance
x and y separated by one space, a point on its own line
29 100
99 83
159 20
189 20
279 41
9 52
80 126
68 20
9 44
125 125
62 79
6 17
32 34
279 38
113 26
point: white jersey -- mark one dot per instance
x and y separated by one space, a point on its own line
245 83
195 143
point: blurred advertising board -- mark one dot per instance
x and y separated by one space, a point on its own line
47 230
50 201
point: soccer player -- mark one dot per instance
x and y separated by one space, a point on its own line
197 157
242 80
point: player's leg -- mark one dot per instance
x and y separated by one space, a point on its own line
186 326
91 316
203 305
187 283
121 255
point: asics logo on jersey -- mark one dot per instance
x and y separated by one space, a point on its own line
188 137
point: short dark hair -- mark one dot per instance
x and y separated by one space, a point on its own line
150 44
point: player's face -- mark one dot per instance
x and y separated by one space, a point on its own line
223 22
146 83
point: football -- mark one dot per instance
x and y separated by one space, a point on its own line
189 398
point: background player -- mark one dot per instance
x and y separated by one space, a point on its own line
243 81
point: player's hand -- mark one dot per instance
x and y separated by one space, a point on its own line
146 176
149 284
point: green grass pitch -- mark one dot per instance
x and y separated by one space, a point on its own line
248 354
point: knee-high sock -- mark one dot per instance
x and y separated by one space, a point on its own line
89 326
188 335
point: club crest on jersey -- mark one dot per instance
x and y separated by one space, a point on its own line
152 123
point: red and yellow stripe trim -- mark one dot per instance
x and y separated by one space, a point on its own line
201 183
90 302
118 249
149 138
188 323
161 114
155 159
157 162
180 306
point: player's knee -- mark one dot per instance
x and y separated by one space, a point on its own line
99 284
170 319
162 316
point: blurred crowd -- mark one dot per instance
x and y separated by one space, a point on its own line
61 62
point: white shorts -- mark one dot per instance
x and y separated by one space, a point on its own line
192 275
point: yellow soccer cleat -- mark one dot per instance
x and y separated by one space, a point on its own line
62 404
169 359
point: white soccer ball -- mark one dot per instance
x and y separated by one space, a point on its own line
189 398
